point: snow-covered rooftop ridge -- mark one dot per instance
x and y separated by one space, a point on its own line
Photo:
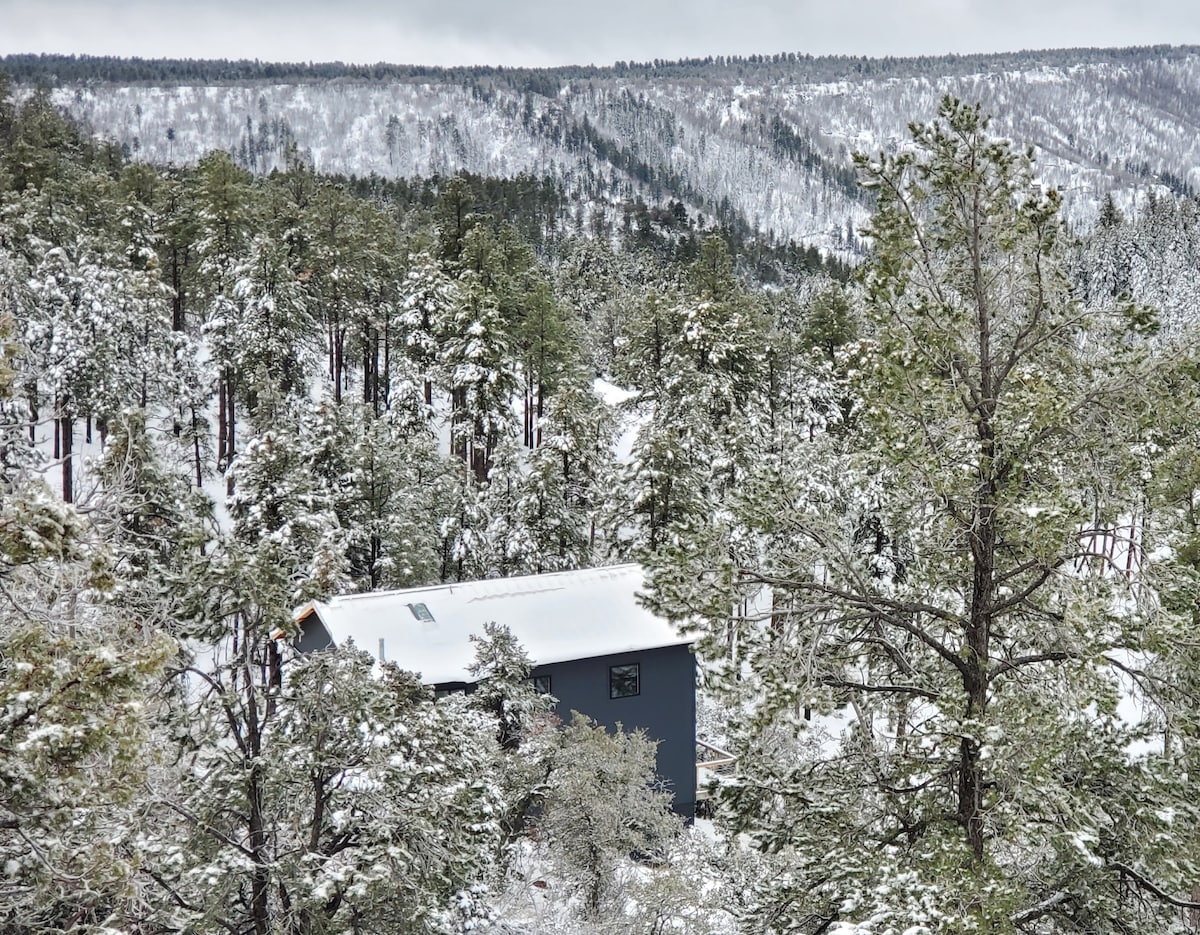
556 617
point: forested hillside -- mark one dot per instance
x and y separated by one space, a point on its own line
764 141
225 394
932 523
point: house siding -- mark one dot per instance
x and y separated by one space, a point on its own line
665 707
313 636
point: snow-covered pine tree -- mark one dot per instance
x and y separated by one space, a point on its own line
702 360
344 799
428 296
74 682
225 212
572 473
603 805
947 606
476 359
154 523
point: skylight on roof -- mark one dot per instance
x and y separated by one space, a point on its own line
421 612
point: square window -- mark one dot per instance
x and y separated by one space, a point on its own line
541 684
624 681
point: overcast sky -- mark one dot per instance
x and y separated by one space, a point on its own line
557 32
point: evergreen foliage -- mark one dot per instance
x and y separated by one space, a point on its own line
942 625
952 508
35 68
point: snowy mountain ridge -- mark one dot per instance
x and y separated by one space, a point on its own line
770 140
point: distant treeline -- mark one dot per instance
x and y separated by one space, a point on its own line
51 69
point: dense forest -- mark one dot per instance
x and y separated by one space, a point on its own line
761 144
933 524
51 68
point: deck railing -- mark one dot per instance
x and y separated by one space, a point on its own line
712 763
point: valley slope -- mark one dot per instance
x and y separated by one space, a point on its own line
767 139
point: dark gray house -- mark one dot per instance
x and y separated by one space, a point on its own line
594 647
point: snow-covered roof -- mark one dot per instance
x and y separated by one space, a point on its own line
556 617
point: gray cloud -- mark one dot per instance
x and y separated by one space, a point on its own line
545 32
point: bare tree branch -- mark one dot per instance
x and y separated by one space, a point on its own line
1151 887
892 689
1008 665
1043 908
207 828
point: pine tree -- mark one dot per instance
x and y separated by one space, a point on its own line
346 800
704 388
152 521
941 599
225 213
74 683
603 804
572 473
428 298
386 483
96 334
17 385
73 751
526 726
477 362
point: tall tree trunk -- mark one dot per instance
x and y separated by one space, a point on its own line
33 412
528 409
145 372
222 418
231 434
256 822
540 413
982 540
329 364
68 444
177 319
527 420
370 366
480 462
260 875
376 551
458 441
196 448
386 390
339 361
274 677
